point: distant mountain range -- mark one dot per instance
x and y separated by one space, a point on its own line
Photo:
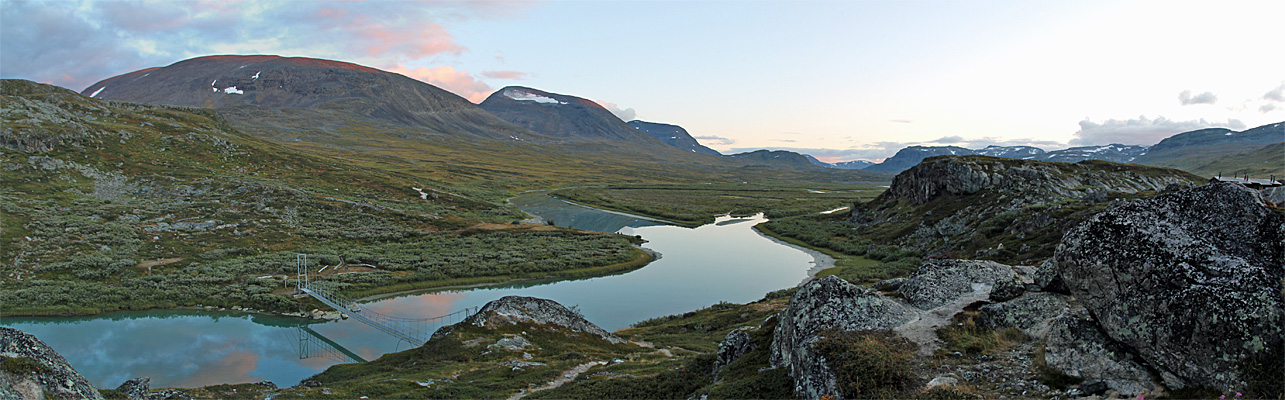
339 105
672 135
1197 151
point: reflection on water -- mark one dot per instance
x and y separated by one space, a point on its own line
725 261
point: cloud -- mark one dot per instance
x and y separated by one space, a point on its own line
1276 95
714 140
447 77
1266 108
901 121
76 43
1141 130
948 139
785 140
1204 98
626 115
511 75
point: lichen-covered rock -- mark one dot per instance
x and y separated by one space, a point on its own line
939 282
515 343
1076 347
732 347
511 310
135 389
1031 313
1190 280
34 370
823 304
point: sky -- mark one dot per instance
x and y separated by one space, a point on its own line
839 79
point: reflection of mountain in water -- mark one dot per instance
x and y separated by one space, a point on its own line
568 215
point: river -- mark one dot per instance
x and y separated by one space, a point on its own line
697 267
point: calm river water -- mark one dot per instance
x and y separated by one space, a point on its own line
698 267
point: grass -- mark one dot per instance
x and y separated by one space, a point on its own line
869 364
965 336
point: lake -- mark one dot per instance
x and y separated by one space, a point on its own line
697 267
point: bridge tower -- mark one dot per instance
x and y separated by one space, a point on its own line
301 270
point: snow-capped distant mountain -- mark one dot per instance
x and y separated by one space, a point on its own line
1112 152
1010 151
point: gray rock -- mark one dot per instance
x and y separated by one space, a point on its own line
1076 347
511 310
823 304
1032 313
888 285
1190 280
942 381
135 389
53 376
732 347
515 343
940 282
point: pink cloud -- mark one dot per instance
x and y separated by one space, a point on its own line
447 77
514 75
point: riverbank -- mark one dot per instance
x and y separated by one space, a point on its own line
640 259
821 260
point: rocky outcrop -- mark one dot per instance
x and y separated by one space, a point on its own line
1001 209
1190 281
510 310
33 370
1031 313
732 347
1076 347
939 282
828 303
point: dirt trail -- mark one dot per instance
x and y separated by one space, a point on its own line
567 376
923 331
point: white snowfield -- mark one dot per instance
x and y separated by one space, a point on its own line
520 95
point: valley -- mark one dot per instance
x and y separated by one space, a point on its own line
608 259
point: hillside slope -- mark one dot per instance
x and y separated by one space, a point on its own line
997 208
286 92
672 135
1193 151
111 205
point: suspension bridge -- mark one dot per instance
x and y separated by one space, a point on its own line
415 331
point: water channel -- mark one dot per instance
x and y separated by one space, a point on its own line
697 267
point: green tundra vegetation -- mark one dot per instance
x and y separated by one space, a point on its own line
126 206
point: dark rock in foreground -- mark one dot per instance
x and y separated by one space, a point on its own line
1190 281
823 304
34 370
1077 347
510 310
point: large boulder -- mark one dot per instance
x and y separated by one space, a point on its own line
1076 347
1031 313
33 370
732 347
822 304
1190 280
510 310
941 282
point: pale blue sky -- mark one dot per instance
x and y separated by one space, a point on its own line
837 79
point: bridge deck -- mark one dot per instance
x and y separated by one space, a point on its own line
362 318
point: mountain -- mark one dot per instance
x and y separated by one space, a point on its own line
672 135
908 157
1112 152
855 164
296 98
1193 151
778 158
1025 152
561 116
